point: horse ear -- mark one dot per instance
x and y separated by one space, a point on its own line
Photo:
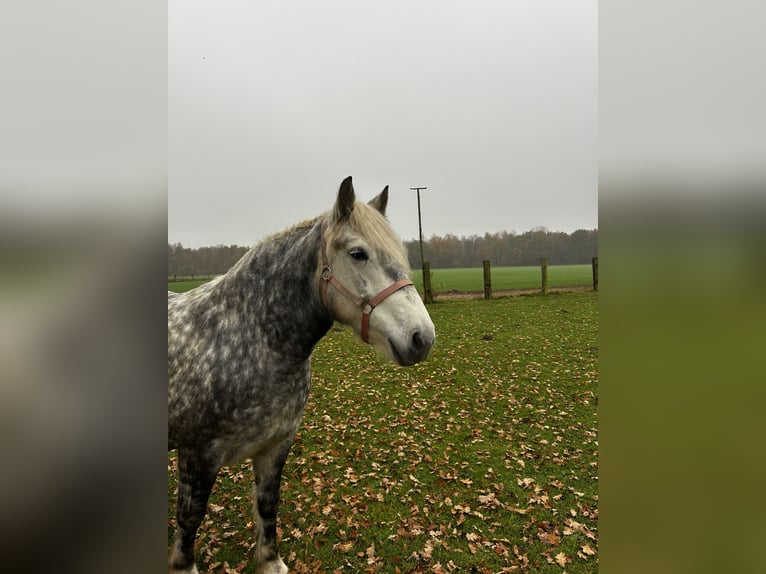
345 203
380 201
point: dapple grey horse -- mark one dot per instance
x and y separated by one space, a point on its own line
239 352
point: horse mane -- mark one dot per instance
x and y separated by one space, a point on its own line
375 228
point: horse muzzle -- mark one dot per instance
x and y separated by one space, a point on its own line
416 350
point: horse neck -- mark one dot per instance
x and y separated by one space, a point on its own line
277 284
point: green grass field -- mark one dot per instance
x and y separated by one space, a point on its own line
472 279
482 459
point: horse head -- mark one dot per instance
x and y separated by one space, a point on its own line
364 275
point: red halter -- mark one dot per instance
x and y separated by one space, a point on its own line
367 304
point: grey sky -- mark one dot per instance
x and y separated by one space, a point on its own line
492 105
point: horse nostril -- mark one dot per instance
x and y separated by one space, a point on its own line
417 342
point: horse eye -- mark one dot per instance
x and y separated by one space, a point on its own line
358 254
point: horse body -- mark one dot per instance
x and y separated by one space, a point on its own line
239 354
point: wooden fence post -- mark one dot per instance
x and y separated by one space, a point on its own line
544 271
595 273
487 280
427 292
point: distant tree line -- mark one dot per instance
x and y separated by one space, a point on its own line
502 249
506 249
187 262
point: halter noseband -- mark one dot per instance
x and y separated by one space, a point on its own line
365 303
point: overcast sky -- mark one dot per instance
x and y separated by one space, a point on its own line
492 105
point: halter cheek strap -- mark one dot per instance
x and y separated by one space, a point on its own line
366 304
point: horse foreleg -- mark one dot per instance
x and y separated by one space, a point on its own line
195 481
268 476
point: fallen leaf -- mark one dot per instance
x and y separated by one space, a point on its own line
344 546
370 552
549 538
562 559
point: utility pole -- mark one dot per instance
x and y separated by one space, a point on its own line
426 273
420 225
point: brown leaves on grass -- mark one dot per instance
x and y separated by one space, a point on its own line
483 459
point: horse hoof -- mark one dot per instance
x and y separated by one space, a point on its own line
274 567
192 570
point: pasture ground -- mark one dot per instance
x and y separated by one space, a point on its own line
482 459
